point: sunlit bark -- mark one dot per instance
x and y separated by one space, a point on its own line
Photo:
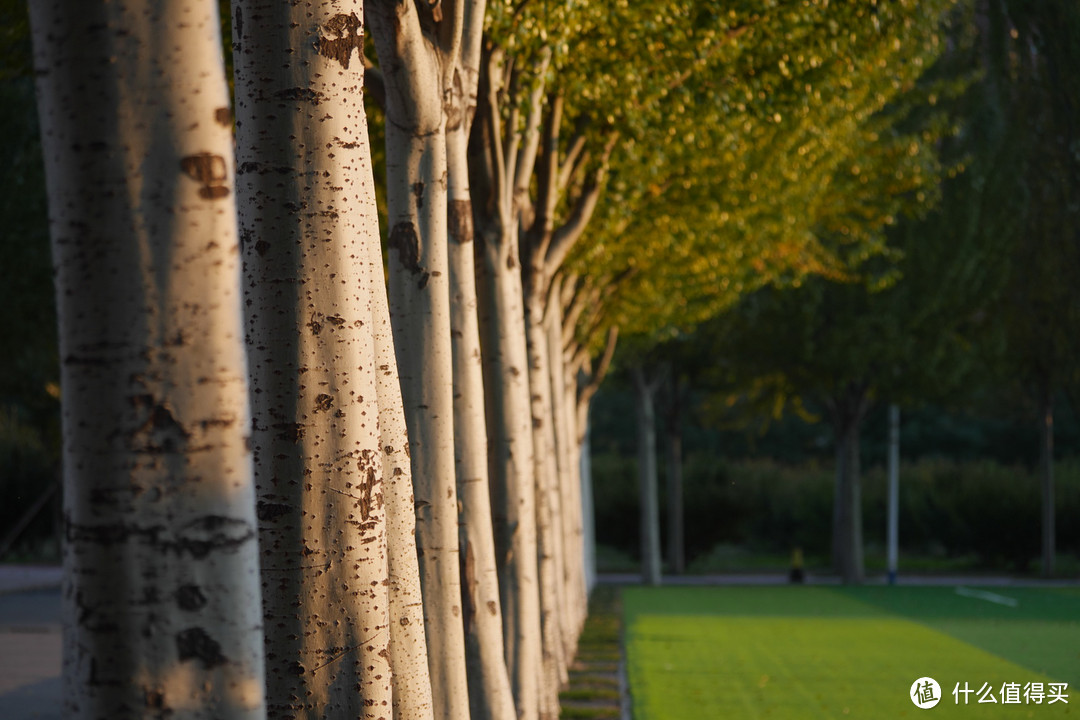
161 593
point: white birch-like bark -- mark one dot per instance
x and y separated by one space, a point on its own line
408 644
161 597
490 696
585 387
505 359
564 388
588 512
310 231
565 471
548 510
417 45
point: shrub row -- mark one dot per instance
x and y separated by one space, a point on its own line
948 508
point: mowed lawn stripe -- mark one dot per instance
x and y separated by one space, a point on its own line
1041 633
815 664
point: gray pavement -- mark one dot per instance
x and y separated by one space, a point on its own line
29 644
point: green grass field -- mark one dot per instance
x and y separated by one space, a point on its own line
811 652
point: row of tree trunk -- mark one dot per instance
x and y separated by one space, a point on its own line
289 492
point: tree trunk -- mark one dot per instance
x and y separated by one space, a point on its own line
676 551
565 474
673 434
588 514
514 500
647 477
310 228
505 358
848 413
1046 478
548 508
490 696
893 529
569 452
161 601
408 643
416 55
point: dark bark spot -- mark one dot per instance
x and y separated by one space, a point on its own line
271 511
418 193
289 432
160 432
323 402
190 597
460 221
223 116
213 532
335 320
369 494
492 607
424 280
154 699
238 26
406 242
468 575
315 325
210 171
252 166
296 669
196 644
261 247
302 94
511 263
403 621
340 36
77 360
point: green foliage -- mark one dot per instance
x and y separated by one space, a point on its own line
781 154
1033 51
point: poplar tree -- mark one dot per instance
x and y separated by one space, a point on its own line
344 631
161 596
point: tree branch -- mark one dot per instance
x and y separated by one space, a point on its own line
563 239
575 159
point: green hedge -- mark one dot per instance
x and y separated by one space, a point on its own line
948 508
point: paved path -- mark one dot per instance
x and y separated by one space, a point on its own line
29 650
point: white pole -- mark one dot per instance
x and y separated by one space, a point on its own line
894 490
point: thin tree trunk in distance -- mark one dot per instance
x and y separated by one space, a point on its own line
673 435
1046 480
647 477
676 552
893 529
588 512
161 598
848 412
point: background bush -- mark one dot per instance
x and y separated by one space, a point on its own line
949 508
